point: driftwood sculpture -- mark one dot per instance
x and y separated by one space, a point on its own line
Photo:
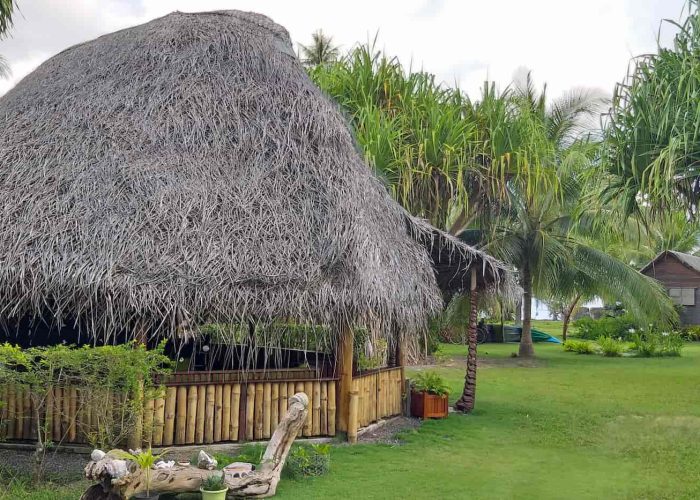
119 479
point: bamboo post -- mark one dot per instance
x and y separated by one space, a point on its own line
48 419
57 408
275 406
158 421
181 415
226 413
65 413
344 361
324 409
169 425
11 411
282 401
209 413
201 410
191 422
331 408
250 413
290 392
19 412
72 413
267 410
259 394
235 411
218 412
308 424
316 406
148 407
352 417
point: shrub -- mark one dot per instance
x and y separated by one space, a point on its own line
691 333
579 346
305 461
611 347
613 327
655 344
430 382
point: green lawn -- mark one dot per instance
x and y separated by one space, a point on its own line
569 426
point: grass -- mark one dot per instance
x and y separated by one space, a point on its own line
564 426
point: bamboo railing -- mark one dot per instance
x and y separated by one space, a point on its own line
192 410
379 394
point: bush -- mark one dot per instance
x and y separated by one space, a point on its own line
430 382
579 346
655 344
611 347
306 461
622 327
691 333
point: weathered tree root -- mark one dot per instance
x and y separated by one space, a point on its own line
118 479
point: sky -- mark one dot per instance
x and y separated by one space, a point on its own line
566 43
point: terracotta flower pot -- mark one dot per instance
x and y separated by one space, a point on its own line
426 405
214 495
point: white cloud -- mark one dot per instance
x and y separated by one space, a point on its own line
567 43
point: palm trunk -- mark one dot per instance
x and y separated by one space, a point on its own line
526 349
567 316
465 403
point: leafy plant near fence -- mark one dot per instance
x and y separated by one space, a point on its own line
611 347
430 382
656 344
579 346
113 380
307 461
622 327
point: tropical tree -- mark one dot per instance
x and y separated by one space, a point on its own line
540 225
321 51
653 128
7 8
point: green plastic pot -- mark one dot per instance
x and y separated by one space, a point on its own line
214 495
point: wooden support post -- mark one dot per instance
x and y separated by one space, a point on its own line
331 408
218 412
191 425
201 410
344 363
209 415
226 413
181 415
352 417
158 421
148 408
250 413
267 410
275 398
169 424
235 411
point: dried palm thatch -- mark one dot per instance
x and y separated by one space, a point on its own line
186 171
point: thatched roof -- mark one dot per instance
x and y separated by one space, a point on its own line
187 170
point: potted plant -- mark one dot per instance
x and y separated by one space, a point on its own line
145 460
429 396
214 488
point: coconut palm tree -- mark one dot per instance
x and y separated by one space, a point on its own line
321 51
539 224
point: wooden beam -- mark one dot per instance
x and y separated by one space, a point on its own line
344 366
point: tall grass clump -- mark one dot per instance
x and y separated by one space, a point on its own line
611 347
579 346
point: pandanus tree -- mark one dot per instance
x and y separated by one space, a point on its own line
7 9
652 136
421 138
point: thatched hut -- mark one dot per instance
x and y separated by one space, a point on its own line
186 171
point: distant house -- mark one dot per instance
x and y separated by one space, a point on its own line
680 274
